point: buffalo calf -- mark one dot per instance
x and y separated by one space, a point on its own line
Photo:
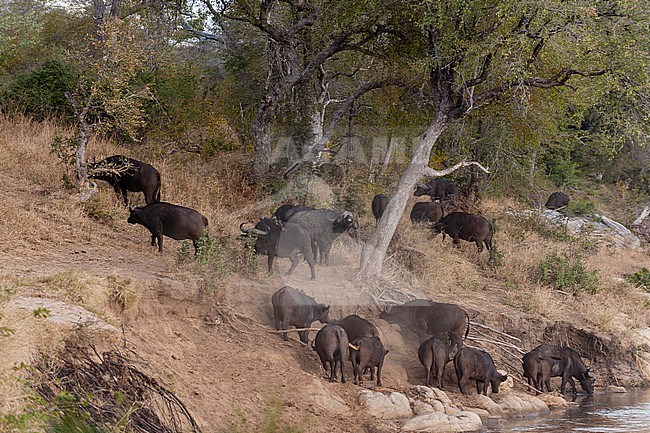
332 346
291 307
434 356
379 203
165 219
474 364
557 200
367 352
425 211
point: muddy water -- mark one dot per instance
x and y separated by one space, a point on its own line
600 413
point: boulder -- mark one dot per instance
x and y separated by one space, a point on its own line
392 406
319 396
615 389
439 422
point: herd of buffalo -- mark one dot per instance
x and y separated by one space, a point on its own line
441 328
294 231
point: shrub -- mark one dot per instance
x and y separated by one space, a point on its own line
567 274
640 279
217 258
580 208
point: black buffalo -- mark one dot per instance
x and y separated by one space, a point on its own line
379 203
165 219
367 352
332 345
557 200
465 226
434 356
281 212
427 318
474 364
426 211
357 327
278 239
127 174
437 189
324 226
291 307
546 361
294 210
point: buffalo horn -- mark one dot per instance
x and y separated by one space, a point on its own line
591 374
255 231
353 347
424 186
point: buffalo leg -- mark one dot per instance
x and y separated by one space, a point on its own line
159 235
196 247
125 196
270 262
478 387
379 367
304 336
343 373
439 372
428 377
460 382
153 240
325 254
294 263
312 266
479 245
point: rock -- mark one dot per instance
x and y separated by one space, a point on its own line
486 403
598 227
322 398
521 404
421 408
552 400
538 405
392 406
438 422
615 389
63 314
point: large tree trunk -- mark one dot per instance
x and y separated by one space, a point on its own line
374 251
262 138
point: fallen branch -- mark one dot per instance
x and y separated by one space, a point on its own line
498 343
489 328
284 331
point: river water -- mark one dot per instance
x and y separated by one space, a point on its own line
600 413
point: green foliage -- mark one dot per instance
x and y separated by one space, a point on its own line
217 258
640 279
40 92
581 207
102 210
41 313
567 273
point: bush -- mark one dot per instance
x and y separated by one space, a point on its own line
640 279
567 274
580 208
217 258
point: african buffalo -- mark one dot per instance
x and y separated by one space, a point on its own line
475 364
294 210
278 239
332 345
557 200
127 174
437 189
165 219
426 211
291 307
379 203
465 226
546 361
427 318
367 352
281 212
434 356
324 226
357 327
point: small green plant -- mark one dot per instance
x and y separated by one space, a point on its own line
217 258
101 210
580 208
567 274
6 331
640 279
41 313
